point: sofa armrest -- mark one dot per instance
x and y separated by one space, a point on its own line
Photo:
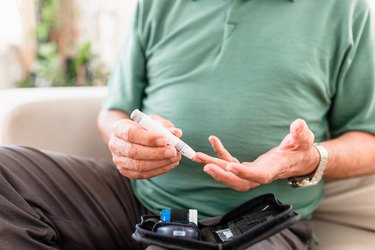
57 119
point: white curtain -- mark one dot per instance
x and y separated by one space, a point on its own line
105 23
11 36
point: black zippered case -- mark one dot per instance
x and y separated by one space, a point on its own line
247 224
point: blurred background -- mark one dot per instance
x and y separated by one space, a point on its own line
47 43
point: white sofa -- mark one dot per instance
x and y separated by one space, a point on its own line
64 119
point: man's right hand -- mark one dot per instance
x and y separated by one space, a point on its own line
139 153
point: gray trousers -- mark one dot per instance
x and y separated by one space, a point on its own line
55 201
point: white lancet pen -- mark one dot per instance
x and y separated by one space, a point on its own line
146 122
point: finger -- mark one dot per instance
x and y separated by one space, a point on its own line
149 174
176 131
206 159
140 152
228 179
220 150
164 122
301 134
167 124
144 165
131 131
250 173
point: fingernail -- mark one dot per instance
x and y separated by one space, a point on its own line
172 130
161 142
197 160
176 131
210 173
169 153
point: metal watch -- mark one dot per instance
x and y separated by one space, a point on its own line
314 178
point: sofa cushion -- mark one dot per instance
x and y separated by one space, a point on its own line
57 119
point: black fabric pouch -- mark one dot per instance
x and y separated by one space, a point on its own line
240 228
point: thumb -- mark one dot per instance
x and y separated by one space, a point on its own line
300 134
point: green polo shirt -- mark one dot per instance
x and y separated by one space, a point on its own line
244 71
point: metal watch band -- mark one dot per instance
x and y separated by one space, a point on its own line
317 176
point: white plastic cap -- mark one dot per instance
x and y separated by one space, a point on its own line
188 152
136 115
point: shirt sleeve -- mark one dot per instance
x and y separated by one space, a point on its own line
353 106
127 82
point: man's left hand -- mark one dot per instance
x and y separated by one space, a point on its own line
295 156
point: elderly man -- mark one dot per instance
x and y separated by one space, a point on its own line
269 78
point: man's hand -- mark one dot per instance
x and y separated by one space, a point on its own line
139 153
295 156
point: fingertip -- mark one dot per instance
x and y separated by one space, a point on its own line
215 141
201 156
300 133
297 126
209 170
176 131
196 158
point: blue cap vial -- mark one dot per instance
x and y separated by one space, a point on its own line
165 215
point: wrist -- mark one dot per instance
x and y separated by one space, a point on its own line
314 160
317 174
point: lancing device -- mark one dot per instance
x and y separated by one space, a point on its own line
146 122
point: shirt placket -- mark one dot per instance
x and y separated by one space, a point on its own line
230 23
231 18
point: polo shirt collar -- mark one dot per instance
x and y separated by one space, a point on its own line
289 0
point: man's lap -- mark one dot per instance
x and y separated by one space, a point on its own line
80 203
349 202
76 202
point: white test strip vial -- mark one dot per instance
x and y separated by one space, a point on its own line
146 122
193 216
